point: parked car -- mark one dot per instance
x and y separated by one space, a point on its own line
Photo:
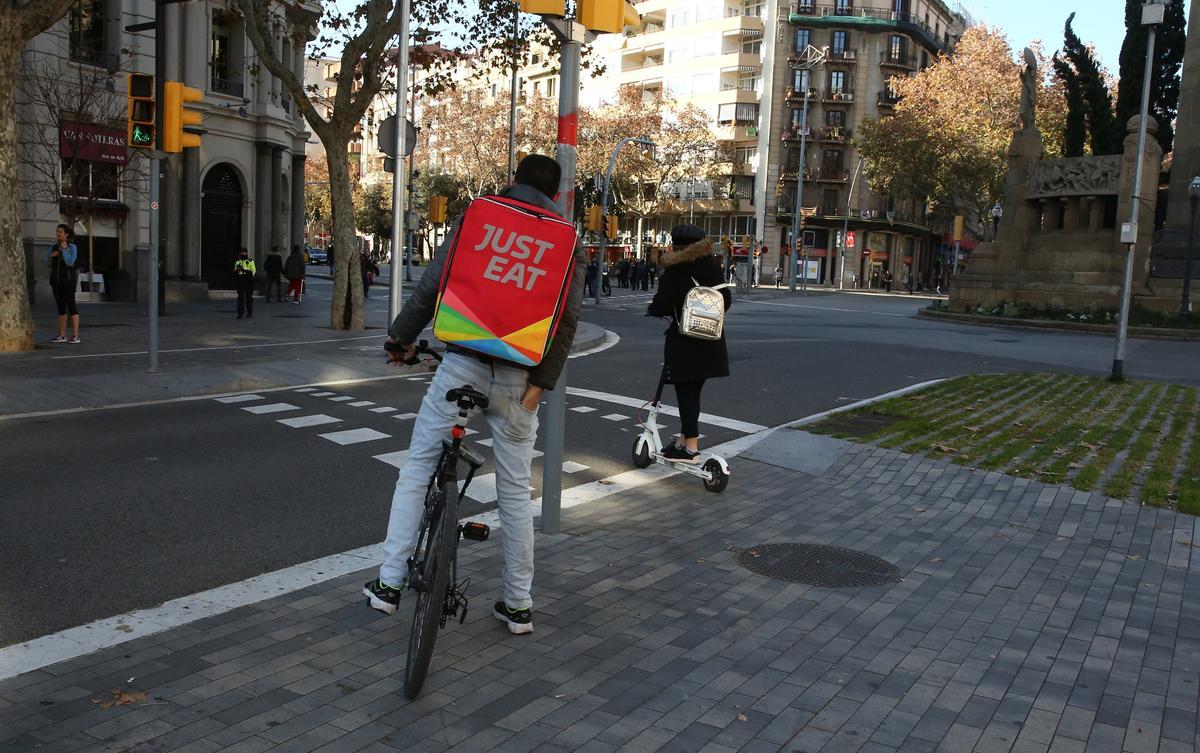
315 255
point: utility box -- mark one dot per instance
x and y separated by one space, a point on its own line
1129 232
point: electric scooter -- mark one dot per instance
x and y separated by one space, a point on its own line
648 448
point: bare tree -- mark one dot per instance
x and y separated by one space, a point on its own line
19 23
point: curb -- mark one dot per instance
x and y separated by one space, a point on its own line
1143 333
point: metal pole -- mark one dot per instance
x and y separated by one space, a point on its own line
846 224
1185 302
160 80
153 349
397 289
572 35
512 100
410 243
1118 366
796 241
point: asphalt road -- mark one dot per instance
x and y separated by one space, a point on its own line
108 511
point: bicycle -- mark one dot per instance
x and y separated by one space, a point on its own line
433 567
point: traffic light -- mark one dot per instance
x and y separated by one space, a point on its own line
607 15
593 219
175 117
610 227
140 89
437 209
544 7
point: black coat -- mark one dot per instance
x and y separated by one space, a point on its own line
689 359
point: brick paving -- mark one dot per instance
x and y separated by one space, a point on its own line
1029 618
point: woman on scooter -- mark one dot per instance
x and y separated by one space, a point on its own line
688 361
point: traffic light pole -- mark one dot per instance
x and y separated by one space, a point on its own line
160 82
397 273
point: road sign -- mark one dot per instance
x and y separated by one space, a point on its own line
850 239
387 136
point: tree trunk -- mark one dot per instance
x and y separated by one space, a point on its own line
347 310
16 322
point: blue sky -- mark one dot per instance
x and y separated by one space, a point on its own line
1100 22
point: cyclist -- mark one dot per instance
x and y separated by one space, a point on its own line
514 393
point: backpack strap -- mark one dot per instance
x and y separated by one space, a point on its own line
722 286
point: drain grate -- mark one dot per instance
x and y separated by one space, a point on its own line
818 565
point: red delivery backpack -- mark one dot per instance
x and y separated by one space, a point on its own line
506 280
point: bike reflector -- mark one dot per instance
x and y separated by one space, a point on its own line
505 284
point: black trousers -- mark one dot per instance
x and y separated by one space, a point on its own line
245 291
688 396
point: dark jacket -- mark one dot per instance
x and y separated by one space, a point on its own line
274 264
293 268
689 359
419 309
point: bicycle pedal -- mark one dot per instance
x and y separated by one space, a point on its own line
475 531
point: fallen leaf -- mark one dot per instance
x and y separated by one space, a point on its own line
972 429
121 698
741 717
944 448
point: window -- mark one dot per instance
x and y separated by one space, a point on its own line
679 18
708 11
755 8
493 90
752 47
549 87
742 187
832 162
804 7
702 83
535 59
745 155
226 54
678 54
842 7
87 34
89 180
829 201
707 46
896 48
803 39
738 114
679 87
750 82
838 42
835 117
837 82
801 80
797 118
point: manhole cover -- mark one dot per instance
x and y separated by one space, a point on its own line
817 565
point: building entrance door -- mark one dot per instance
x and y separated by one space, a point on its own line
220 226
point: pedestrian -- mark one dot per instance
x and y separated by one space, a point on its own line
887 280
273 266
590 278
243 280
514 394
61 259
778 276
652 273
366 268
329 258
293 269
605 285
688 361
623 273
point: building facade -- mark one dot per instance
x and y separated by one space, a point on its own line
243 186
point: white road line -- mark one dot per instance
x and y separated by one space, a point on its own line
300 422
306 389
415 379
220 347
383 409
323 394
354 436
583 409
666 410
340 399
485 442
271 408
361 404
404 416
394 459
570 466
239 398
482 488
615 417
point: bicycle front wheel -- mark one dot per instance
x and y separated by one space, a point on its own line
431 596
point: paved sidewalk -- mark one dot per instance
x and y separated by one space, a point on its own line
1028 618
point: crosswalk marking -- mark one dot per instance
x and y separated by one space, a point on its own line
271 408
300 422
239 398
404 416
354 436
361 404
488 443
570 466
383 409
415 379
394 459
583 409
323 394
305 389
482 488
616 417
340 399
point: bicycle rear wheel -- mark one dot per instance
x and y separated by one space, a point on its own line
434 564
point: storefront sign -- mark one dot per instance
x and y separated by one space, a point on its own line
879 256
91 142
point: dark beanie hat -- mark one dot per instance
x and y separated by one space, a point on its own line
685 235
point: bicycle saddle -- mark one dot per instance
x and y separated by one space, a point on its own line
467 397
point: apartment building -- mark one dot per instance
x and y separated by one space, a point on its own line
865 45
242 187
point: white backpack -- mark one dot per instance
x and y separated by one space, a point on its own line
703 312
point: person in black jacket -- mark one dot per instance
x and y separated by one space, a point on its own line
688 361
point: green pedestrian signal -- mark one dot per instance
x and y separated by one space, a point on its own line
142 136
142 111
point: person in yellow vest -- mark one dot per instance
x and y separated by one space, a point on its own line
243 280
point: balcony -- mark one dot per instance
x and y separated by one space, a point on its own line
842 56
794 97
901 61
93 56
835 134
807 13
838 95
888 100
794 135
789 176
227 86
831 175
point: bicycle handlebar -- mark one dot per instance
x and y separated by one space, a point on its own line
420 349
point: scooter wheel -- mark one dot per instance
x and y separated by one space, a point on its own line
641 454
718 479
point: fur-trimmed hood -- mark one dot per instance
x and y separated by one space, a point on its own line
684 254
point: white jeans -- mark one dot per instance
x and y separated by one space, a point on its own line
514 429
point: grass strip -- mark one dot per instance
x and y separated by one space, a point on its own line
1067 426
1120 484
1159 487
1000 450
1117 437
926 416
1188 489
1093 428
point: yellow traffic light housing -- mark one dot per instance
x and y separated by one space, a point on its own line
175 117
437 209
611 229
593 219
609 16
140 126
544 7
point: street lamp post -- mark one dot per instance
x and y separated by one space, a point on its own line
1185 302
604 203
841 273
1153 13
808 61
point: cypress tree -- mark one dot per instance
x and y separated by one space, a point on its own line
1169 43
1103 130
1075 132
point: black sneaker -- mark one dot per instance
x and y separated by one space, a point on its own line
680 454
383 597
519 620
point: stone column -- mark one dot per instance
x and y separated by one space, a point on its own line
1186 161
277 199
297 199
190 215
1148 193
1095 213
262 201
1049 215
1071 213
